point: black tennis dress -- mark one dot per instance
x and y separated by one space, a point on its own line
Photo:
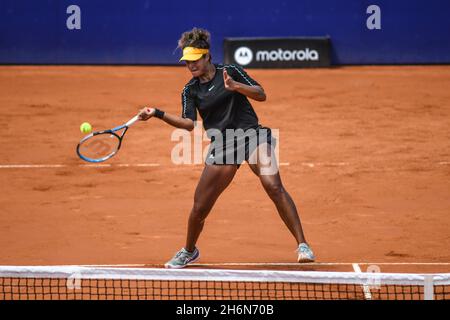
228 117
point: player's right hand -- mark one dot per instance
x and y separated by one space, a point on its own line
146 113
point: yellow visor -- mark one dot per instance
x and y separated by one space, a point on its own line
193 54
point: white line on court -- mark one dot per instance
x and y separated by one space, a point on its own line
96 165
126 165
366 289
31 166
324 164
139 165
329 263
285 264
93 165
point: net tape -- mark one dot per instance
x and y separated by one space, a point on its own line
425 281
221 275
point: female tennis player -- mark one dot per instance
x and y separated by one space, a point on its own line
220 94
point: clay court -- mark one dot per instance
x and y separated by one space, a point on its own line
364 153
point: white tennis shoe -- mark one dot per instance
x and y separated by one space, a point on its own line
305 253
182 258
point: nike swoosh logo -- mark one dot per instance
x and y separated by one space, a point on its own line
211 88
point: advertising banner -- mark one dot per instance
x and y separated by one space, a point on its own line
277 52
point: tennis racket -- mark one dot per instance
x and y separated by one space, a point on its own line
101 145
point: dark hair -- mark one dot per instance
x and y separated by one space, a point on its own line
197 38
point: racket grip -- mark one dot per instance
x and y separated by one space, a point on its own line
131 121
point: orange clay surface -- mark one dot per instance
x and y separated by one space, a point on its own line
365 153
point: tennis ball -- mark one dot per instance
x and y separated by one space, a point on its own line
85 127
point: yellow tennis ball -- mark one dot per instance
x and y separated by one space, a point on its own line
85 127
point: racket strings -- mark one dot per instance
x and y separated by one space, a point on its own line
99 147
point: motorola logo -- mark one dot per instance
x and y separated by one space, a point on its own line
287 55
243 56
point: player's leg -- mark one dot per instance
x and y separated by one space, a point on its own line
264 164
213 181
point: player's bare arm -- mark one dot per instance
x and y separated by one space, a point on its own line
173 120
253 92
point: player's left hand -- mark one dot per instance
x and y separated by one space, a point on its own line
228 81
